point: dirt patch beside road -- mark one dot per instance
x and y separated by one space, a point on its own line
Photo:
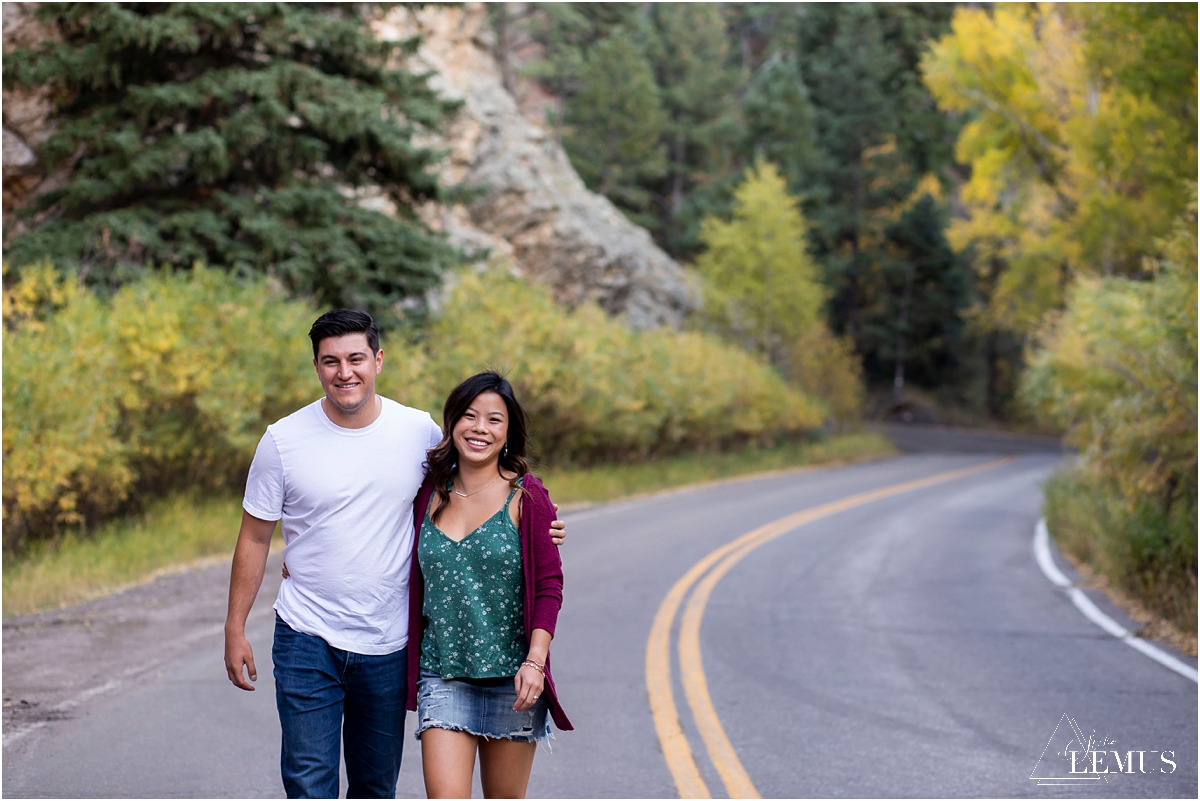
53 661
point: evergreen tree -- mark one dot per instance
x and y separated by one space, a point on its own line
616 123
914 328
780 119
242 135
566 32
688 47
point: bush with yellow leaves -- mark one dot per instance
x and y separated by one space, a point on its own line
595 390
171 382
168 384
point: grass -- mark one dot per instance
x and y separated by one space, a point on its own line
180 531
1141 550
172 532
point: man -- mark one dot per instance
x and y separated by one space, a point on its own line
341 474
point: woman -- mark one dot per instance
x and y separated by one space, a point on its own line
484 595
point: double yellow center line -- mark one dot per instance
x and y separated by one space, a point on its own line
704 576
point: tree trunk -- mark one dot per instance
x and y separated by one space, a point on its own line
852 310
504 47
677 178
901 325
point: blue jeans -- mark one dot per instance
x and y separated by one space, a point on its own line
318 686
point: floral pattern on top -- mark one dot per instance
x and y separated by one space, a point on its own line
473 606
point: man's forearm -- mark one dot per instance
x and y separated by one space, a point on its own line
249 564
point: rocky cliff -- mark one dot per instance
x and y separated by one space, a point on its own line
533 210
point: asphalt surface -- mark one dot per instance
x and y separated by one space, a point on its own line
908 647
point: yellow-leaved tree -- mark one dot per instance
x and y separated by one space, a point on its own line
762 289
1079 160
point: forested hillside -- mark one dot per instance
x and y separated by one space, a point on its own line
997 204
665 107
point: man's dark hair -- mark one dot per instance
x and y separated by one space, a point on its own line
338 323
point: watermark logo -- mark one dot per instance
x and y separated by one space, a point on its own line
1072 757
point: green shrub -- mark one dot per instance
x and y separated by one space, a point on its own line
168 384
1142 548
594 389
1117 369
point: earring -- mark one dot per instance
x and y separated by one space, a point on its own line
504 453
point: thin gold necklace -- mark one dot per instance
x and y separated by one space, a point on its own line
481 489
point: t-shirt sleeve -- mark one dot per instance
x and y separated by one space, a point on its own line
435 434
264 485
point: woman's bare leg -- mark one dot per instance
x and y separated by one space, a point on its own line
504 767
448 760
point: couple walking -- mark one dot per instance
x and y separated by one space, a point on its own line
420 573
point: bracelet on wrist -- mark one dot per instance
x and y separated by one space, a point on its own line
540 668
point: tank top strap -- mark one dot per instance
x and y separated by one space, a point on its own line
520 481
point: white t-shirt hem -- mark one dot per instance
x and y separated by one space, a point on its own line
261 515
334 641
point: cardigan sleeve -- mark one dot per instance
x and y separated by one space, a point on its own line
547 564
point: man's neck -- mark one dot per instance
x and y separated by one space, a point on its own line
359 418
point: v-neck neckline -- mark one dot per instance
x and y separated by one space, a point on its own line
471 533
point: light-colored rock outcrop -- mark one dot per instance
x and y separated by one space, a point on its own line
536 210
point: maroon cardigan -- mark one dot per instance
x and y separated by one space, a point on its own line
543 579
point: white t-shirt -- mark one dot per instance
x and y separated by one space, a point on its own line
345 496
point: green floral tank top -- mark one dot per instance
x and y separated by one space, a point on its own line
473 607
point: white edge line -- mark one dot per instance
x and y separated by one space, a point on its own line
1041 552
1045 561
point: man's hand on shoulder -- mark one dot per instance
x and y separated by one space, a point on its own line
558 529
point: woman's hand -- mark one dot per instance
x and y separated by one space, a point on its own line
558 529
530 683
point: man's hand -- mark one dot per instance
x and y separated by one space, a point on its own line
558 530
238 653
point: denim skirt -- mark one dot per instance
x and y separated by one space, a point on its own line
483 707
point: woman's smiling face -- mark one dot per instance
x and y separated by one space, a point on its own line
482 431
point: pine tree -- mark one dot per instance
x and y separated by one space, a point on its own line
566 32
780 119
242 135
616 123
914 330
687 44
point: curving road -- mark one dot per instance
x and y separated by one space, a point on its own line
904 646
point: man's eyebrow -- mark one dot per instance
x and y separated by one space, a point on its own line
327 356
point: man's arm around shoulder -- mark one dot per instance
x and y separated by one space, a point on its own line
249 564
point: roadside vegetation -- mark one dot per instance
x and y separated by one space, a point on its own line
186 530
1082 199
168 385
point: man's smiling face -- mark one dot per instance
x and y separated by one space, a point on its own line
347 370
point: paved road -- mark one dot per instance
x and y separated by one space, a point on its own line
905 647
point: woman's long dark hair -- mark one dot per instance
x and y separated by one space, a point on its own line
443 458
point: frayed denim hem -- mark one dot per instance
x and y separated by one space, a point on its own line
546 735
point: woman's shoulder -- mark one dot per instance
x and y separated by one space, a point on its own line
536 491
